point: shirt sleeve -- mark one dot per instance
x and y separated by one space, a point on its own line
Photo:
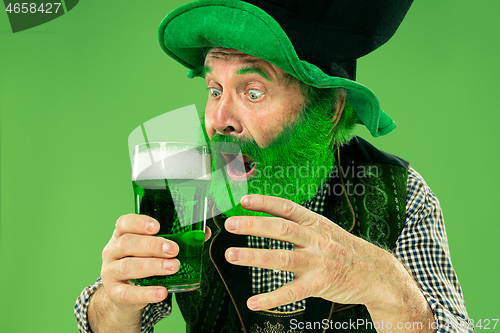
82 306
423 248
151 314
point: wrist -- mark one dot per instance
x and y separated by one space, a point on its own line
398 299
106 316
395 288
386 281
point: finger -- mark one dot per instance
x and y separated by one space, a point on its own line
279 207
208 233
136 224
270 227
133 245
130 295
282 260
291 292
135 268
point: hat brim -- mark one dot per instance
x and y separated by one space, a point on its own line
186 33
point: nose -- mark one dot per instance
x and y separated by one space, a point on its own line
224 116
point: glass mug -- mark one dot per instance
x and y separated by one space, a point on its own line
170 181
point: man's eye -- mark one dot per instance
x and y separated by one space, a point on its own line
255 94
215 92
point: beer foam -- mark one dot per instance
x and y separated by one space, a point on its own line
171 163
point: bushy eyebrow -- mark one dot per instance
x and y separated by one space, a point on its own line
251 70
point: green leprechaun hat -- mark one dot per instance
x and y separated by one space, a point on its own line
316 41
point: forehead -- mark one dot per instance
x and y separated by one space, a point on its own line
224 53
233 55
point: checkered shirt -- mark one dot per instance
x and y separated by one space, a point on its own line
422 247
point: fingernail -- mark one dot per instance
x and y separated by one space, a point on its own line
245 201
253 304
150 225
167 248
158 293
169 265
232 224
234 255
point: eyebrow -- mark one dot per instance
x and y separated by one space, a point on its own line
251 70
206 70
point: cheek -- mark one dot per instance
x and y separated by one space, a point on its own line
295 106
267 128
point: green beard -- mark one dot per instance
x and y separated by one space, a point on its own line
293 166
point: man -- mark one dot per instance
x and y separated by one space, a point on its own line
317 256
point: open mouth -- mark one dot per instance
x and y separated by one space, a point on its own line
239 167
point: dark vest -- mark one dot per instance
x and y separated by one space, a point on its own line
374 183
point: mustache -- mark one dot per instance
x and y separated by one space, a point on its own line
232 139
234 145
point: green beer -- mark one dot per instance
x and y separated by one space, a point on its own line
179 204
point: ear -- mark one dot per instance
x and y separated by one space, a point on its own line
339 105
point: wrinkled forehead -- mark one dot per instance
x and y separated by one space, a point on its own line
226 54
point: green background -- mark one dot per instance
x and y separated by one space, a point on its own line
73 89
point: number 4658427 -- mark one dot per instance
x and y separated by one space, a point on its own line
32 8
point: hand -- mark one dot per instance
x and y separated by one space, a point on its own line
327 261
133 252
